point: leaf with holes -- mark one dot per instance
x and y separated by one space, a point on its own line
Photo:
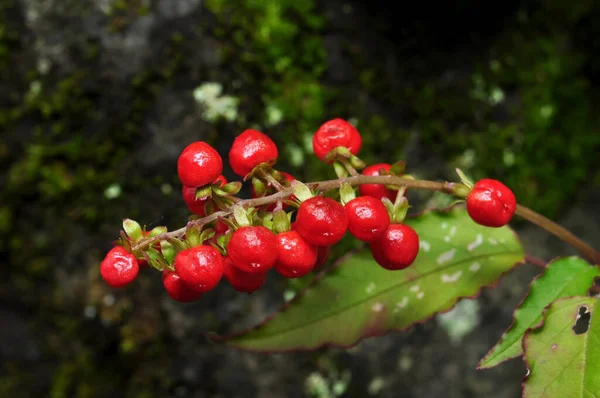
358 298
565 277
563 355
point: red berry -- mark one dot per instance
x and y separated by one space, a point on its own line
296 257
177 289
378 191
397 248
119 268
196 206
199 164
253 249
335 133
240 280
200 267
368 218
322 255
491 203
250 149
321 221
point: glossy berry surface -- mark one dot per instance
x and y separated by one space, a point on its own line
177 289
321 221
296 257
368 218
250 149
253 249
491 203
200 267
397 248
199 164
240 280
196 206
334 133
378 191
119 268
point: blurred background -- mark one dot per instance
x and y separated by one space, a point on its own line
98 98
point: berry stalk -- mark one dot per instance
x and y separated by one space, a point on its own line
447 187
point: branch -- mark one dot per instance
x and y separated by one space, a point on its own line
447 187
286 192
560 232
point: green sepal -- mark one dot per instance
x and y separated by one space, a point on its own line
168 251
229 223
207 234
281 222
178 244
464 179
156 231
223 241
241 216
400 210
397 168
193 235
461 190
267 220
389 206
347 193
301 191
204 192
357 163
340 169
259 186
125 242
155 258
133 229
209 207
232 188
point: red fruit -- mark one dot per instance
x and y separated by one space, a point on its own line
240 280
200 267
250 149
199 164
397 248
196 206
296 257
253 249
368 218
321 221
378 191
177 289
491 203
334 133
119 268
322 255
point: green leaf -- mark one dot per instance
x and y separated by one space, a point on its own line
563 356
359 299
571 276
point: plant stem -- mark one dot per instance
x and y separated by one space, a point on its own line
271 180
560 232
446 187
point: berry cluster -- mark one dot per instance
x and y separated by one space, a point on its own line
290 228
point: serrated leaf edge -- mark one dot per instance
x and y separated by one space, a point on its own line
285 306
514 321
